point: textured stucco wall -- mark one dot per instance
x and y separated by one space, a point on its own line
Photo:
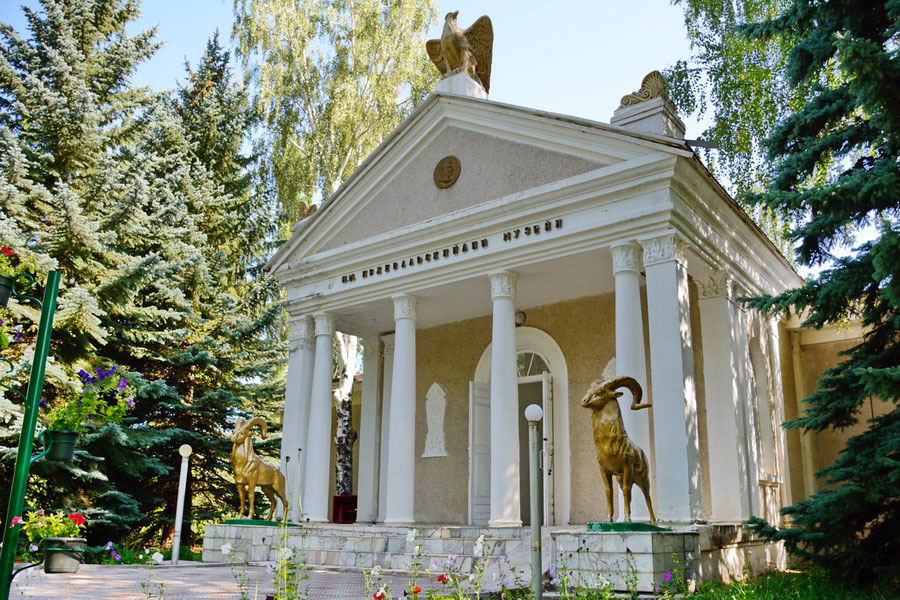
446 355
828 444
584 328
490 167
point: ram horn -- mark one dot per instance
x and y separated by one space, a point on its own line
263 426
630 384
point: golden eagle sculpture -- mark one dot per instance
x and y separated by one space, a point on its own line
466 51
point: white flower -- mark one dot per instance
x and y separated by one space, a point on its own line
270 568
226 549
157 557
33 548
692 585
411 535
478 550
376 571
286 553
418 550
472 578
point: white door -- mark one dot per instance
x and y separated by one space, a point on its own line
479 453
547 454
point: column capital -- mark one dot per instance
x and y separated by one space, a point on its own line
324 324
301 328
626 256
387 344
718 284
664 248
503 284
404 306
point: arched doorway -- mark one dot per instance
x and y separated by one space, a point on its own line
543 379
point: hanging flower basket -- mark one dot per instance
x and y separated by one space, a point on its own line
63 554
6 286
61 444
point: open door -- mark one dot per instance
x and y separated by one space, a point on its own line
479 453
547 454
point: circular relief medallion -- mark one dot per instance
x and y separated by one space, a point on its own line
446 172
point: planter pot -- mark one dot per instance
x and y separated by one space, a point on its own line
6 286
61 444
63 554
343 509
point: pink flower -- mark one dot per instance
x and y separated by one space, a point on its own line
39 511
15 521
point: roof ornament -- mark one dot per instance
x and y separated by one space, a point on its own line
464 51
653 85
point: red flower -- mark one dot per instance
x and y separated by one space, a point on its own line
442 578
15 521
379 595
79 519
415 589
7 251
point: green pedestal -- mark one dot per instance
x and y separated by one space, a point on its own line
622 527
259 522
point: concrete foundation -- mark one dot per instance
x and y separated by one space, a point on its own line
624 559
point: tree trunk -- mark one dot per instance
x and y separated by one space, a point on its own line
345 436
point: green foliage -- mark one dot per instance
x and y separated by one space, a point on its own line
853 123
147 206
334 79
102 399
739 82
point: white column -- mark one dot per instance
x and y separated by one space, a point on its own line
402 438
370 424
730 494
675 433
505 505
387 371
296 409
747 401
318 459
630 355
784 465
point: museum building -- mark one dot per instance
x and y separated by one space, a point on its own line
492 256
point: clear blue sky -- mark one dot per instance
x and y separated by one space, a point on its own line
576 57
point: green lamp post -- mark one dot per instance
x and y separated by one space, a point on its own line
29 422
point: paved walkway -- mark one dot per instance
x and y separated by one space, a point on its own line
189 582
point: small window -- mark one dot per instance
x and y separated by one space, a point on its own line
530 364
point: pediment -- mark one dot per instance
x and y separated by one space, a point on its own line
502 150
490 167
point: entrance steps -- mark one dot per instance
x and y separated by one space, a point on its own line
367 546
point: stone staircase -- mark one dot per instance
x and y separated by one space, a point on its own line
366 546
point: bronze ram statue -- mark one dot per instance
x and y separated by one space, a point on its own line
250 471
616 453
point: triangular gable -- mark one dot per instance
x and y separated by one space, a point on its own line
502 150
490 167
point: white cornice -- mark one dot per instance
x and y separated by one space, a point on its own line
545 201
723 236
595 215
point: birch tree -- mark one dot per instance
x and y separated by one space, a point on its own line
332 79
